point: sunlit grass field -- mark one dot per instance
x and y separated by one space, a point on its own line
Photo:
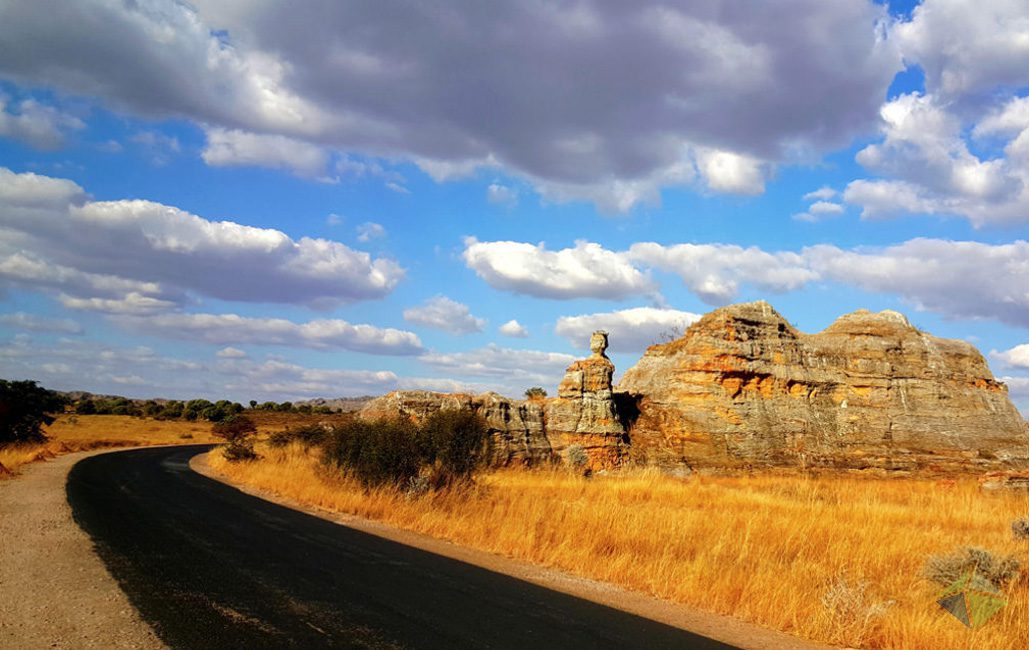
71 433
764 548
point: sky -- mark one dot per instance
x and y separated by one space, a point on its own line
247 199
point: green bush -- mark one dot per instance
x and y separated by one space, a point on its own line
454 444
239 432
24 409
375 453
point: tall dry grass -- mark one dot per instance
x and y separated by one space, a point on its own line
834 558
71 433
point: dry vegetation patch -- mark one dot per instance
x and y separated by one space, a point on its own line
837 559
70 433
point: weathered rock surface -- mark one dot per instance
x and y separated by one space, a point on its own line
584 412
742 387
516 426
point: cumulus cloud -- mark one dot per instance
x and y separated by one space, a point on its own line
370 230
959 279
585 271
32 323
322 334
967 50
631 330
107 249
714 271
39 126
823 193
232 147
445 314
593 95
1016 357
514 329
277 380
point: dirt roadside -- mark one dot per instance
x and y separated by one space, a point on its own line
721 628
54 590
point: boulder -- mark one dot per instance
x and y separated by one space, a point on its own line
743 387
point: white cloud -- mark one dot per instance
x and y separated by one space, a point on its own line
820 210
370 230
133 303
823 193
321 334
231 353
1016 357
959 279
501 195
967 49
35 124
514 329
630 330
714 271
726 171
585 271
33 323
593 96
58 239
334 219
445 314
233 147
1018 389
515 368
278 380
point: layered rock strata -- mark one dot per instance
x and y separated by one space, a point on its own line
584 412
742 387
516 426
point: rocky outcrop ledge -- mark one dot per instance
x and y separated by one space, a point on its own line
534 431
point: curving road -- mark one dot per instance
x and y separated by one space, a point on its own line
211 567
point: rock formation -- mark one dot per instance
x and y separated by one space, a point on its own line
742 387
584 413
516 426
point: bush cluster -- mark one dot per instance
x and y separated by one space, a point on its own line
194 409
238 432
998 570
446 449
25 408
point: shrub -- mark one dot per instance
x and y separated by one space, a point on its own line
238 432
998 570
455 443
577 457
24 409
536 392
852 610
375 453
1020 528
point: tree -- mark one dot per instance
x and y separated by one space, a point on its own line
24 409
253 404
536 392
238 431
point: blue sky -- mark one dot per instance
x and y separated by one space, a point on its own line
243 200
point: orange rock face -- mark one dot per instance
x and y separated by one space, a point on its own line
742 387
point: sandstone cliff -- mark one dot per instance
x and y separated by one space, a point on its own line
742 387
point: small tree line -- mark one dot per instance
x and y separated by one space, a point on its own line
194 409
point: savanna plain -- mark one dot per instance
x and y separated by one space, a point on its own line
831 557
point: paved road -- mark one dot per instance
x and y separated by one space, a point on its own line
211 567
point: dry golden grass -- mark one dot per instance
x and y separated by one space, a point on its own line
764 548
71 433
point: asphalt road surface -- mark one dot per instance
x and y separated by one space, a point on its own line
211 567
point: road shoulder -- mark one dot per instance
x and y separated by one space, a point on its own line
55 592
721 628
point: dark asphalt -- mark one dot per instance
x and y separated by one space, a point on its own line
211 567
